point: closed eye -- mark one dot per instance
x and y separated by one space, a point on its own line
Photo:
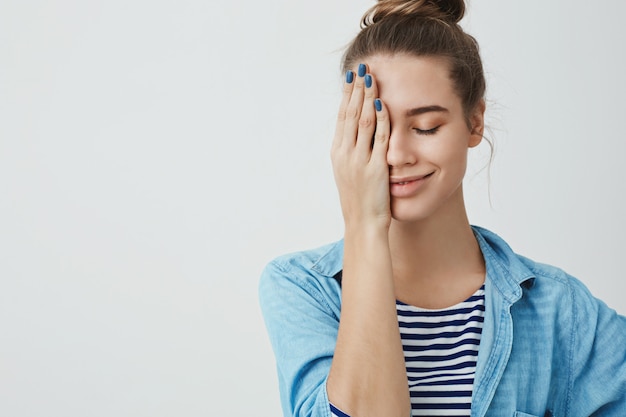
427 132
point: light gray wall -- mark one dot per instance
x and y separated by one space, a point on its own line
154 155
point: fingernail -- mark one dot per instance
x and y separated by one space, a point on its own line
368 80
362 69
349 77
378 104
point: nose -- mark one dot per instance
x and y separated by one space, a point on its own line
400 151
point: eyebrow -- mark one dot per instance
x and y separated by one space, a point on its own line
426 109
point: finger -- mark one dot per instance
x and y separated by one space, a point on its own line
353 111
345 99
380 144
367 121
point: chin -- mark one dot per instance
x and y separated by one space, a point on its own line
406 211
421 208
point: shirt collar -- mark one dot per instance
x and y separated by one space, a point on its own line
330 261
504 267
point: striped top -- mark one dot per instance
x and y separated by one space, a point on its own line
440 352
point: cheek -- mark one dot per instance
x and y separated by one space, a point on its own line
450 152
451 159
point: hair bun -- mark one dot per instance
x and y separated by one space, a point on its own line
454 9
449 11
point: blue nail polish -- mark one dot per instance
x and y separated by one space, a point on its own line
362 70
349 77
378 104
368 80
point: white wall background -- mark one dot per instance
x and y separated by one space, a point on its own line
154 155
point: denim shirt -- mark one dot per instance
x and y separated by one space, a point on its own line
548 347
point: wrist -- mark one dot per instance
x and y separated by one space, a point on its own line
370 230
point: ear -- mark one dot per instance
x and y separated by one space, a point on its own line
477 122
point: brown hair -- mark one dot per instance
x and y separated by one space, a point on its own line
423 28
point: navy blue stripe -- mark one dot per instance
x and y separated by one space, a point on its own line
440 394
433 358
456 406
415 380
448 335
462 381
441 346
456 367
337 411
434 325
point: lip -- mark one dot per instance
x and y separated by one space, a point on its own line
400 187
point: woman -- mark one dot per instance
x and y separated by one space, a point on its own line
437 317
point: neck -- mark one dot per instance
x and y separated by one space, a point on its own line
438 256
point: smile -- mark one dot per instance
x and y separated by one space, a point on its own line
407 186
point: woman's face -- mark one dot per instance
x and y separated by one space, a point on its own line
430 136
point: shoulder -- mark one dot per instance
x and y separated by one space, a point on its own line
304 277
322 259
547 289
570 299
552 274
536 278
566 292
586 309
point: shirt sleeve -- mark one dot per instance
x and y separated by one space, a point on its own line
598 383
302 328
